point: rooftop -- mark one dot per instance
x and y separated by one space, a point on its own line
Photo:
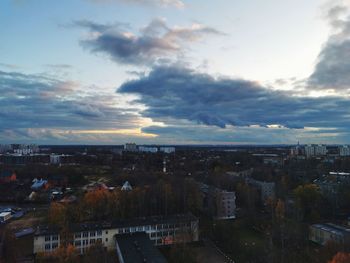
47 230
138 247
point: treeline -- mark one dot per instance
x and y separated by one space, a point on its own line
162 198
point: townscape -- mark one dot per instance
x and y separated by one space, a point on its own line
174 131
137 203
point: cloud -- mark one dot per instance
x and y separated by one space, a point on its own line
154 42
202 134
332 70
41 102
162 3
183 94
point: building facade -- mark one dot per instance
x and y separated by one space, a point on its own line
161 231
325 233
266 189
167 149
130 147
218 203
148 149
344 150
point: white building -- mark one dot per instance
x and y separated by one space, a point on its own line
4 148
219 203
126 186
162 230
167 149
315 150
55 159
344 150
147 149
130 147
4 216
320 150
325 233
267 189
309 150
60 158
25 149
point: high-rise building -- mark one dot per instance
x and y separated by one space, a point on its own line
167 149
147 149
315 150
344 150
130 147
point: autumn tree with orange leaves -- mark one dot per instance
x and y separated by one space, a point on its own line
340 257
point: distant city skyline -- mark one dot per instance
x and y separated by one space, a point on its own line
174 72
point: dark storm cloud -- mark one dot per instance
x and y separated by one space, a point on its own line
181 93
332 70
154 42
37 101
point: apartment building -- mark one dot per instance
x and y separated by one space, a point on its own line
218 203
324 233
160 229
266 189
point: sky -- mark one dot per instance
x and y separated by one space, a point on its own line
174 71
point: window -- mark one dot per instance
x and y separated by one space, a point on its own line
54 245
92 241
92 234
55 237
106 232
47 238
47 246
99 232
77 243
77 235
85 234
106 239
99 240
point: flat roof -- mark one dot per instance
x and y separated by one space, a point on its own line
333 228
137 247
5 213
143 221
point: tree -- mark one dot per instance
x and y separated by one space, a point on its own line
308 199
341 257
96 203
57 214
280 213
61 255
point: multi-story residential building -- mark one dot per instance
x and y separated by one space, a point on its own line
25 149
167 149
4 148
148 149
324 233
296 150
20 159
315 150
266 189
218 203
309 150
330 184
130 147
161 231
61 158
320 150
344 150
